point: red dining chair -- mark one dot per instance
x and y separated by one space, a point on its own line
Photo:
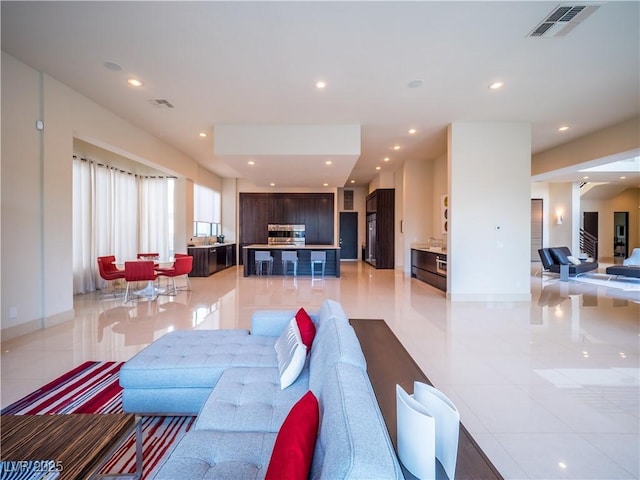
109 272
141 271
181 266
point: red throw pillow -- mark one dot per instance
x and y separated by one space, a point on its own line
295 442
306 327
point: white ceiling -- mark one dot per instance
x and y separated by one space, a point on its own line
256 63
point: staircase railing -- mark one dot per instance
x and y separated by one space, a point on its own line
589 244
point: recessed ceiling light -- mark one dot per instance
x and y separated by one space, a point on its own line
378 168
325 184
134 82
415 83
386 159
353 181
320 84
412 131
622 178
563 128
113 66
496 85
251 162
272 184
328 162
203 135
396 147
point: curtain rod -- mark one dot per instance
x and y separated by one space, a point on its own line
119 169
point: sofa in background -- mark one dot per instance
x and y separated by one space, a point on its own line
630 266
552 259
632 260
241 416
624 270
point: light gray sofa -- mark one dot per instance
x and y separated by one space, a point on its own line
239 420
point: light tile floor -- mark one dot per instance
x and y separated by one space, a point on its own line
549 389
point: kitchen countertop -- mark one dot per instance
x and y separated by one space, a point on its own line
426 248
212 245
262 246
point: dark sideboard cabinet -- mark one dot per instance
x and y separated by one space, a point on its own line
380 238
430 267
210 259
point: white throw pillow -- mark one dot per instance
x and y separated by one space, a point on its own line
574 260
291 354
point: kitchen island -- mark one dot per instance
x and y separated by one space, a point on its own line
332 267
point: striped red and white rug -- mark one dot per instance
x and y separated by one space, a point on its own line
93 388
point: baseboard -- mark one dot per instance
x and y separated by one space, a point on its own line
489 297
58 318
31 326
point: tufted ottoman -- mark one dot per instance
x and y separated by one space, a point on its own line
175 374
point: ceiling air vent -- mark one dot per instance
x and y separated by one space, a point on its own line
562 20
161 102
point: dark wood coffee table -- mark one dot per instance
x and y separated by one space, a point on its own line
388 364
76 445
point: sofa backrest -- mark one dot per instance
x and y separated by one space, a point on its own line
633 259
560 254
545 257
353 441
335 341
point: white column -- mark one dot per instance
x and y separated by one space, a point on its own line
489 237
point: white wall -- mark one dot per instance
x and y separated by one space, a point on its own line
490 211
562 201
37 193
382 180
415 201
22 229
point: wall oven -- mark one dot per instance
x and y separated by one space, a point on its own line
286 234
441 265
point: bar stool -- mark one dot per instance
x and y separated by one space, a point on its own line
261 259
317 258
290 257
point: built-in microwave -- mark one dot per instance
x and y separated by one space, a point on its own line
286 234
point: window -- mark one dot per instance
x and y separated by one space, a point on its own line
206 212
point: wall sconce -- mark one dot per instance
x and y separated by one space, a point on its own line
559 218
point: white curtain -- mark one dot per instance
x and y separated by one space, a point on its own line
155 225
83 269
116 213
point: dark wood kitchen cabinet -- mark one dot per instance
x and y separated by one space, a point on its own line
209 259
313 210
380 239
430 267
